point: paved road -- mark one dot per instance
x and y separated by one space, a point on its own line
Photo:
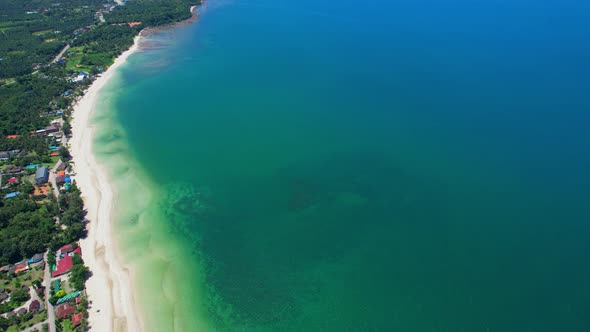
61 53
48 306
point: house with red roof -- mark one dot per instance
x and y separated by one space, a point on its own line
65 309
77 319
78 251
63 266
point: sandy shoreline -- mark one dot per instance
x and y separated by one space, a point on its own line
109 289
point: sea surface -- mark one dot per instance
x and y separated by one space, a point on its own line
401 165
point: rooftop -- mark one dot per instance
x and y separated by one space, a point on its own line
65 309
67 248
21 267
77 319
11 195
35 305
63 266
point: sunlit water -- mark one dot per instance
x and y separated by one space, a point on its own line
357 166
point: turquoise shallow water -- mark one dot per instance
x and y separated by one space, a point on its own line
375 166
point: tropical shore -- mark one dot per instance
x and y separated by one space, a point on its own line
110 289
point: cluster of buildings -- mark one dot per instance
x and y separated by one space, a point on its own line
7 155
68 309
66 306
81 77
36 260
30 306
33 307
64 261
53 130
12 174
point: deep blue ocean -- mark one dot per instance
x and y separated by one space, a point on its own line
372 165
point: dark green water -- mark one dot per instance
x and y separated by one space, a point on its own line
375 166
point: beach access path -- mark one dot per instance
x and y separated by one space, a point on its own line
53 179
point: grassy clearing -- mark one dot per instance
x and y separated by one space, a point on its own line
85 62
38 318
98 59
73 62
40 33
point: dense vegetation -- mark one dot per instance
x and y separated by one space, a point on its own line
79 273
33 32
29 227
153 12
23 102
108 38
36 38
72 218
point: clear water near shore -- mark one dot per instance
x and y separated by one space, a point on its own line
312 166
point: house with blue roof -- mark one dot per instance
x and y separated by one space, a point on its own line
11 195
42 175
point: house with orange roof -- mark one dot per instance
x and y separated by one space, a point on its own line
20 267
77 319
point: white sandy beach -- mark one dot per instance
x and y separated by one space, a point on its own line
109 289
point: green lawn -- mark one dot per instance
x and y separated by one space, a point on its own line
73 63
99 59
50 164
85 62
38 318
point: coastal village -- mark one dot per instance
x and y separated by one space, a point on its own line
46 291
38 294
